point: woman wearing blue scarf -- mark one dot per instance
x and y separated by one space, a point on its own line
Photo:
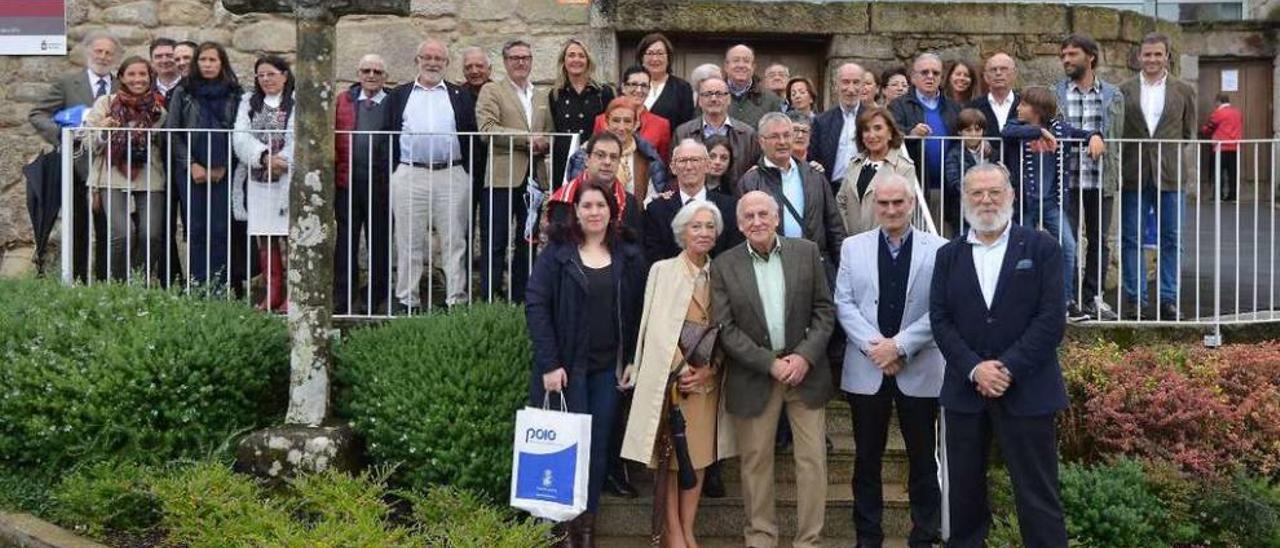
200 166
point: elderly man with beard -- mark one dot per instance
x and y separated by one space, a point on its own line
998 316
81 87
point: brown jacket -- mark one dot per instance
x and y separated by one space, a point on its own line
498 110
1177 121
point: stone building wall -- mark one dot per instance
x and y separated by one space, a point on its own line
875 34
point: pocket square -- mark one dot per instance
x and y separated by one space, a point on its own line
1024 264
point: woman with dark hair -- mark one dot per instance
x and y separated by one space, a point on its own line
200 163
720 153
669 96
128 168
894 83
653 128
583 310
961 82
802 97
871 89
880 154
264 145
575 101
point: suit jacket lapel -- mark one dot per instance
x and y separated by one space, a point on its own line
1012 253
970 273
1166 110
751 287
917 259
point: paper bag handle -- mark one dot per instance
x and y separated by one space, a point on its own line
546 401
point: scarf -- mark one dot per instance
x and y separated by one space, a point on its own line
625 164
567 193
211 149
135 114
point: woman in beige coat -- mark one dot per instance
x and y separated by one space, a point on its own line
126 171
880 153
678 293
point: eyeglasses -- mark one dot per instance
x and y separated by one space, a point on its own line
433 58
635 85
602 155
713 94
268 75
786 136
519 58
982 194
378 72
688 161
655 53
928 72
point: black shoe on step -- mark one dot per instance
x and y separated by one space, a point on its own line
712 483
616 484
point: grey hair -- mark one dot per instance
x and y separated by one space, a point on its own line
438 42
686 214
898 180
374 59
769 119
777 208
800 118
475 49
96 35
506 48
690 142
988 168
704 71
925 56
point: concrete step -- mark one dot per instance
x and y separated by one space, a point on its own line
725 517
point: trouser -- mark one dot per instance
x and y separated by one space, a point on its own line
206 214
121 244
1030 453
944 208
1046 214
1169 209
1227 169
423 200
918 419
596 395
363 215
756 455
1093 218
501 211
80 239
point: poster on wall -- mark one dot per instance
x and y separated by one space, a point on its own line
33 27
1230 80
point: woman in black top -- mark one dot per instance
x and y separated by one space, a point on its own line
583 311
669 96
575 101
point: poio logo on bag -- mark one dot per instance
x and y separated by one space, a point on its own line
539 434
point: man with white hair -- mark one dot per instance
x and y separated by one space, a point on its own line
476 69
834 137
79 88
750 98
882 302
922 113
689 164
430 184
998 316
361 178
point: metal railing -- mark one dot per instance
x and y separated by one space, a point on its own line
461 225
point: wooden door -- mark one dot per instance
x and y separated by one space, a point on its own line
1253 98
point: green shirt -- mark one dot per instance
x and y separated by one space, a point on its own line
773 289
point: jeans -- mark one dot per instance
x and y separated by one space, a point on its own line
501 210
1047 215
1094 220
145 249
205 213
1169 211
598 397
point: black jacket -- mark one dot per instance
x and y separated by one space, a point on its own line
825 145
660 241
676 102
1002 151
556 306
908 112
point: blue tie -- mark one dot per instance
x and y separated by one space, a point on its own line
102 88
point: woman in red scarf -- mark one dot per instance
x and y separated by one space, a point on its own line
126 169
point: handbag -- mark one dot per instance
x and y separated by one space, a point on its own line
697 342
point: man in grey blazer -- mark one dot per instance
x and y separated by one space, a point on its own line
882 302
1157 106
773 304
81 87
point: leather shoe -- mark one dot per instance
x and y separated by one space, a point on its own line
713 483
616 483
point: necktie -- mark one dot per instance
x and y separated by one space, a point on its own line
102 88
367 103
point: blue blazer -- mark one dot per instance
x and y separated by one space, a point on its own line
464 120
556 304
1022 328
826 138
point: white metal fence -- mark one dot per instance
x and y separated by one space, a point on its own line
460 225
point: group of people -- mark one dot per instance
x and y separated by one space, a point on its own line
717 330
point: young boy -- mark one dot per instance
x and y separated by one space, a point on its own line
969 151
1038 180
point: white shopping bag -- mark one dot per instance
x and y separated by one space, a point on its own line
550 463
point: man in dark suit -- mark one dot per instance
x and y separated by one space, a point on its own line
999 105
81 87
835 141
998 316
430 185
689 163
775 312
922 113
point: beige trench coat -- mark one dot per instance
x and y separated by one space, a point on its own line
149 178
859 212
666 302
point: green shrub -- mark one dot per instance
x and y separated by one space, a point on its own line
1111 505
209 505
437 395
138 375
458 519
25 490
105 496
1242 511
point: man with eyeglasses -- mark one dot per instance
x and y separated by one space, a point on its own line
750 99
922 113
713 100
653 128
689 164
514 188
604 152
431 184
775 80
361 179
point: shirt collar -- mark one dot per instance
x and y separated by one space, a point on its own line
791 164
94 77
927 101
850 111
736 90
701 195
884 234
377 99
777 248
1096 87
439 85
527 89
1164 76
728 122
1008 99
972 238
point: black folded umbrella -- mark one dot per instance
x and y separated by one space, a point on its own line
44 199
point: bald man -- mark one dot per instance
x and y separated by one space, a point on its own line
750 99
1000 74
834 140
